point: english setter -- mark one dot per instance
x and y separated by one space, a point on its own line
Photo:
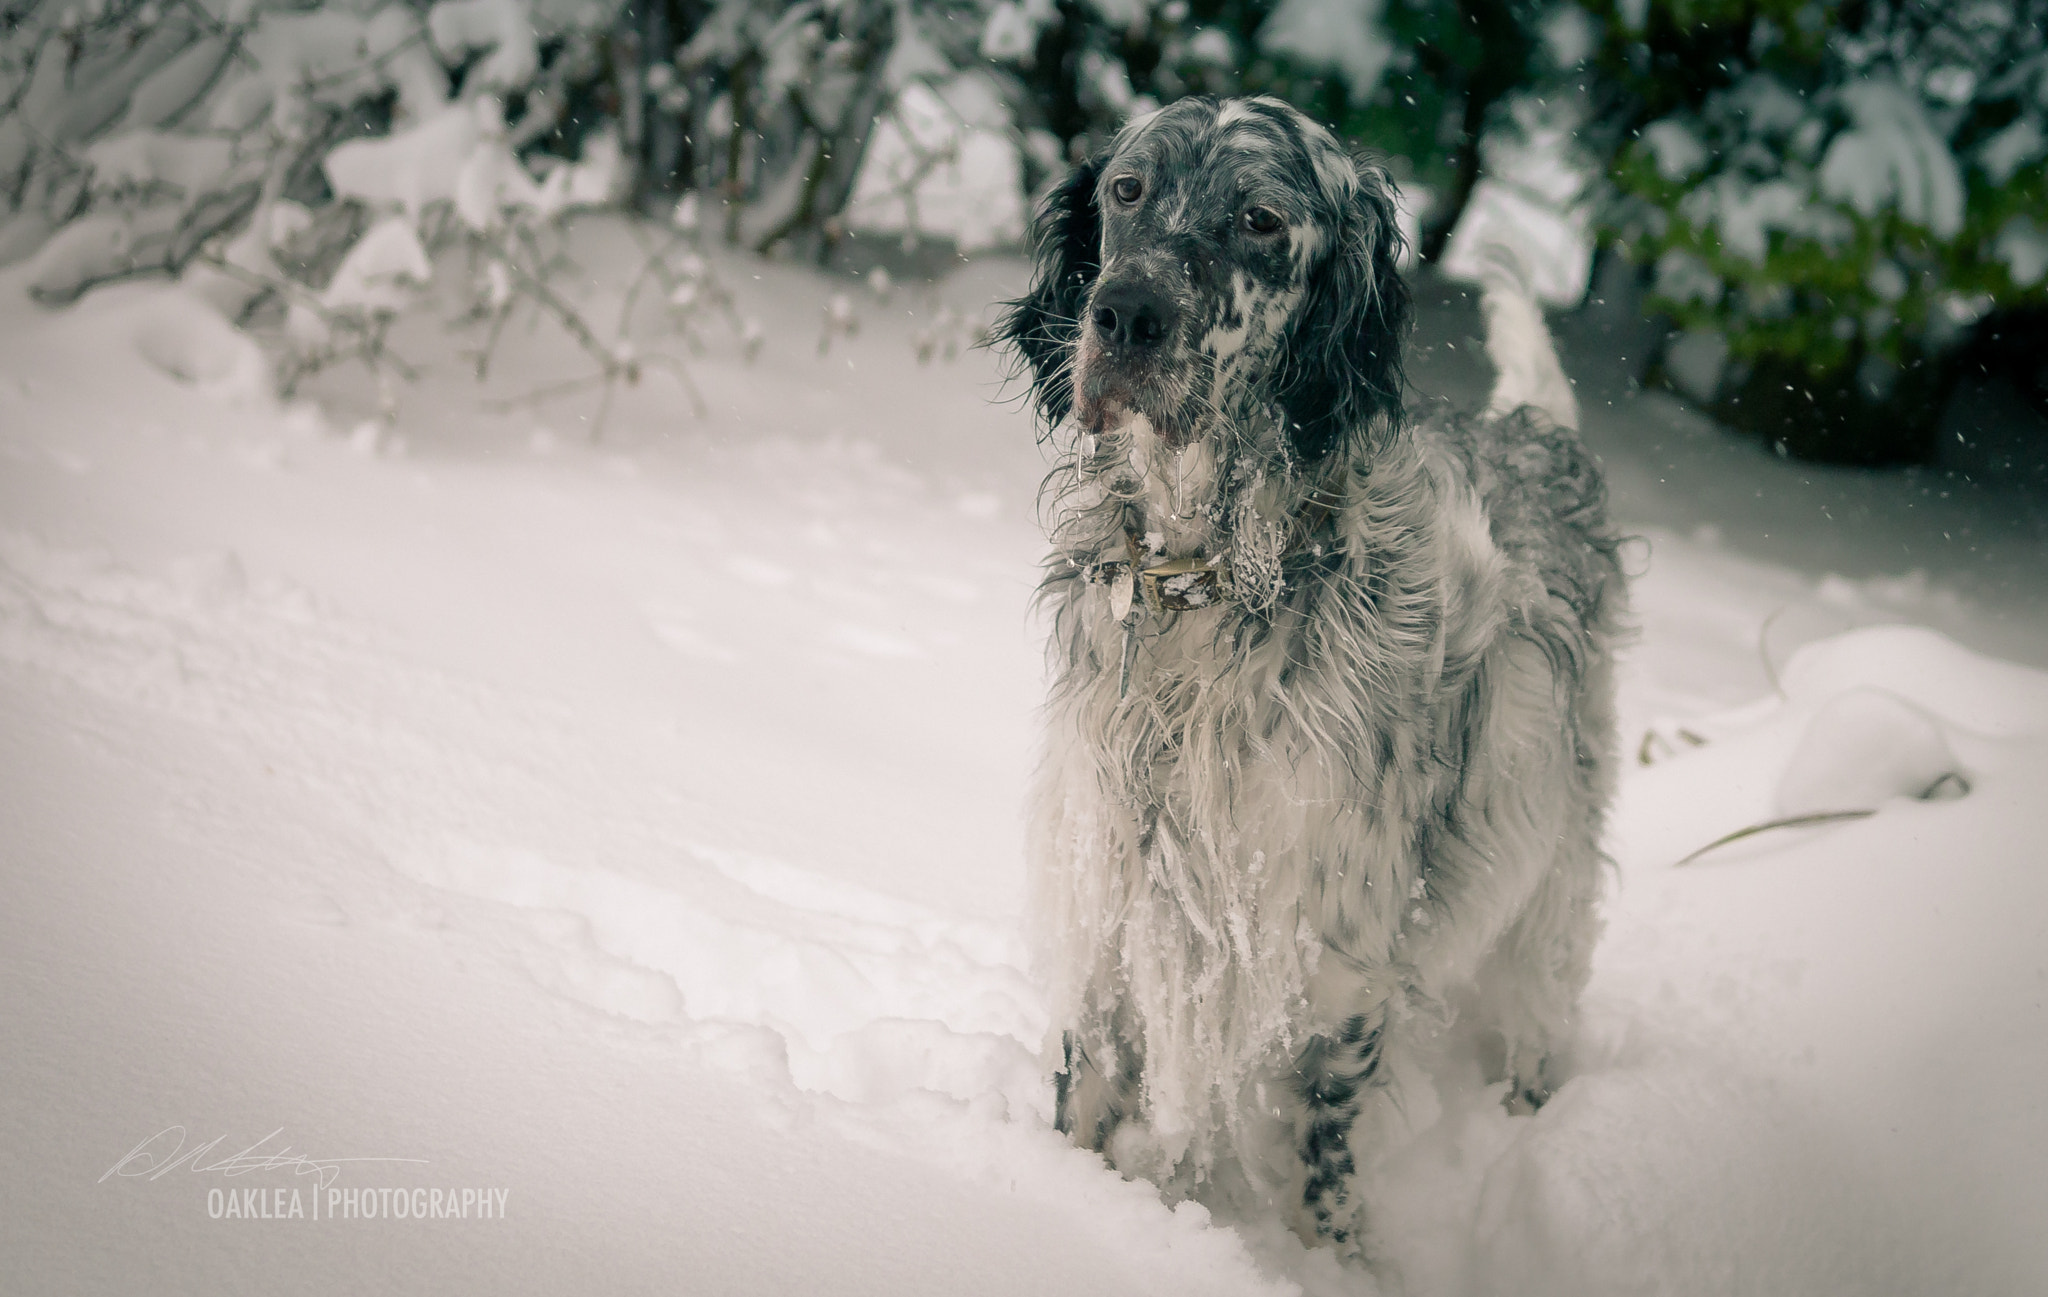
1331 729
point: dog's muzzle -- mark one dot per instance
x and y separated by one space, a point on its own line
1132 320
1128 352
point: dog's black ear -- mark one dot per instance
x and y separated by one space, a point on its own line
1341 368
1041 326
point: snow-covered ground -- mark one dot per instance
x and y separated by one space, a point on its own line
631 830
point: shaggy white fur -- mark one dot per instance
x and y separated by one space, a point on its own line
1301 829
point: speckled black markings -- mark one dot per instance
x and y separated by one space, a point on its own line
1329 1076
1392 749
1341 369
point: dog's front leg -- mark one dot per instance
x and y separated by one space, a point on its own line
1333 1076
1095 1088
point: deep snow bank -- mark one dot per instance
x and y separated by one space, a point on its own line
633 829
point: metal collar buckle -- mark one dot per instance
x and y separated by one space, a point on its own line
1177 585
1186 584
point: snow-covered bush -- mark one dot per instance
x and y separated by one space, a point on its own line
1830 197
307 170
144 135
783 94
1415 80
133 133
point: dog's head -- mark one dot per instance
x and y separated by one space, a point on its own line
1219 258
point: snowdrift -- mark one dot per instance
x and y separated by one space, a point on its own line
632 830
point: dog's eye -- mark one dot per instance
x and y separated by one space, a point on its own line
1127 188
1262 220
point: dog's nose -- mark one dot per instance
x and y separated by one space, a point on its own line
1132 315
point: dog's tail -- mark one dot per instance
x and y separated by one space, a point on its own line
1519 344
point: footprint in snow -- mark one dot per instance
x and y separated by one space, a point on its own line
873 997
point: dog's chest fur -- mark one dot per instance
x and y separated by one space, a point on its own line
1250 807
1341 779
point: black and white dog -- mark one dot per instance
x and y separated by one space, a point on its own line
1331 729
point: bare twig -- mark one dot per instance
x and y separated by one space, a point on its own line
651 267
490 347
368 332
374 63
1646 752
566 315
1763 651
547 392
683 376
1790 822
1933 792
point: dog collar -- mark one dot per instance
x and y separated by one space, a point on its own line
1191 584
1176 585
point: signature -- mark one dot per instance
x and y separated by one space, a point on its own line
165 1151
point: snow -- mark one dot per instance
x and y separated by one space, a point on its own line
1776 169
1678 151
1212 45
177 85
502 27
2022 245
241 103
1767 106
136 159
1684 277
1529 208
316 56
1744 214
2012 148
1570 35
598 176
1862 748
410 168
1696 359
1887 280
1893 158
381 271
460 155
491 183
187 340
77 252
943 163
1121 14
632 827
53 113
1012 31
1342 35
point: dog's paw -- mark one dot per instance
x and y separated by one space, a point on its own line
1523 1100
1331 1223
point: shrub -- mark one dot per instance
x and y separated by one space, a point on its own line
774 103
1832 200
1830 197
303 168
1415 80
133 134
